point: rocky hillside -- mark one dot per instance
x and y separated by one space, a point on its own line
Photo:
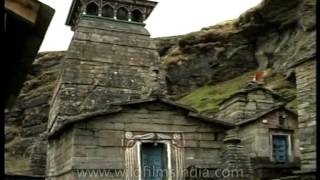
271 35
25 123
207 66
203 68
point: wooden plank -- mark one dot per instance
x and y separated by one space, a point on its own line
27 9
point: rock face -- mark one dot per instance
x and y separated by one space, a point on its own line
306 98
25 124
212 55
274 35
271 35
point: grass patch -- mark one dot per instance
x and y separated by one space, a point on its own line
206 99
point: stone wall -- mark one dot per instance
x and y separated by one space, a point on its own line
39 157
104 142
248 136
59 156
235 159
306 97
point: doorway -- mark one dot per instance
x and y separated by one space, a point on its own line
280 148
153 157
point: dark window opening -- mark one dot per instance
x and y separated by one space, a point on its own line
92 9
216 136
107 11
280 148
282 118
122 14
281 121
155 71
292 78
137 16
153 157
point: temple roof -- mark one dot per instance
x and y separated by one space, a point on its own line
266 112
118 107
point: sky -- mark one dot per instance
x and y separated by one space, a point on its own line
169 18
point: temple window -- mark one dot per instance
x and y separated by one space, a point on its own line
282 118
107 11
122 14
136 16
92 9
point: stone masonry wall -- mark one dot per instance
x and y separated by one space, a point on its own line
59 156
306 97
235 159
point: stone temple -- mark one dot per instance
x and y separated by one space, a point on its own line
109 111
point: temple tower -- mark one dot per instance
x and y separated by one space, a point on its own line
111 59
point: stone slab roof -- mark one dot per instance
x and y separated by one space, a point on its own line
260 115
247 90
114 108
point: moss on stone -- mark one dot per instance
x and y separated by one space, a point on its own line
286 89
287 93
293 104
206 99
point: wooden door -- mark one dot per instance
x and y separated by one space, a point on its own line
280 148
153 161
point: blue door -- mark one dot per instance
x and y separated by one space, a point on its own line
153 161
280 148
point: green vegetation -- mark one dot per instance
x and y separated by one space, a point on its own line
284 88
206 99
293 104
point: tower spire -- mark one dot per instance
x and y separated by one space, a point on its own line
110 59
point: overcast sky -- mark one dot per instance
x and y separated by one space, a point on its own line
170 17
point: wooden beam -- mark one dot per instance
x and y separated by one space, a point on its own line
27 9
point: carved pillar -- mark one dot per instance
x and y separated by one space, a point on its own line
115 13
100 8
130 15
143 17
